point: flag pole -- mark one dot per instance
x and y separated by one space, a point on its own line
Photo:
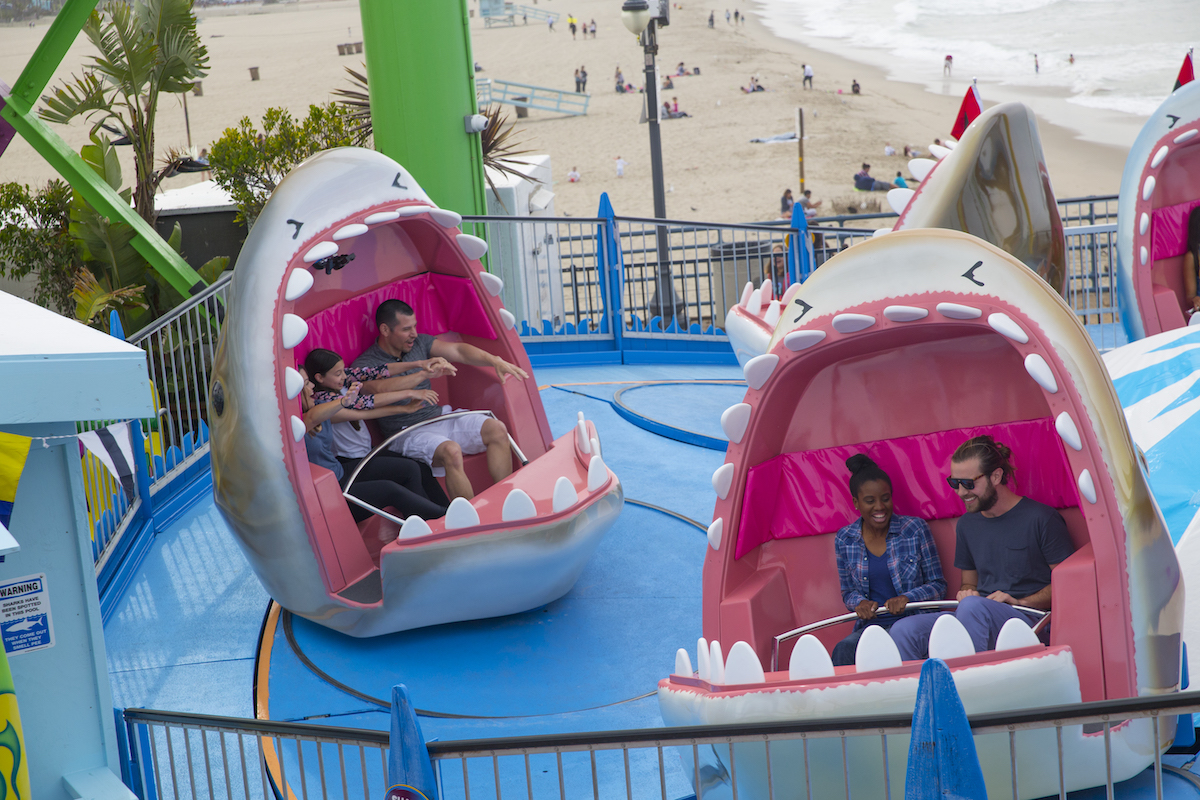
800 139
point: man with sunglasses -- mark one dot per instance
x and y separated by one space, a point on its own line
1006 546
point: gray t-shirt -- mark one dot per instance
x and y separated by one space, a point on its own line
376 356
1013 552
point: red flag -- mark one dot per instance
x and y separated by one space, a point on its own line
1186 73
971 108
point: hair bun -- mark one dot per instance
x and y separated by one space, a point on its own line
859 462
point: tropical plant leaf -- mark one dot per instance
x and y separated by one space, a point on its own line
85 95
93 300
212 269
357 103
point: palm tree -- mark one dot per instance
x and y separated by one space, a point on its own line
147 48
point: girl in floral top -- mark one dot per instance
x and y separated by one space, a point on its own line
332 379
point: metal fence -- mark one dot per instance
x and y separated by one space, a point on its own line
172 756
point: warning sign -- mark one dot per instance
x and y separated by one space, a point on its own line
25 621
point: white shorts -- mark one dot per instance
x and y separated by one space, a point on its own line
466 430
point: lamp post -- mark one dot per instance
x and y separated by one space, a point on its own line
637 17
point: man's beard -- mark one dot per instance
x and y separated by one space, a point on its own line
988 500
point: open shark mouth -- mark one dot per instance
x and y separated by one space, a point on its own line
345 230
994 184
901 348
1159 188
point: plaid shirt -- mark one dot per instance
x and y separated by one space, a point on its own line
912 561
361 374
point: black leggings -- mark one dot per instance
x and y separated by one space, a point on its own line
390 479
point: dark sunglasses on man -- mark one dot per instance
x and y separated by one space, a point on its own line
966 483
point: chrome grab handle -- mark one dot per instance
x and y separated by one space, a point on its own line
917 606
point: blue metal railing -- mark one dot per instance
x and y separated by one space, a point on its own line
524 95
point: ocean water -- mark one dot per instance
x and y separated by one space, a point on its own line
1127 54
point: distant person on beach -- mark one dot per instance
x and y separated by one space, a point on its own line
900 183
592 28
583 79
573 175
948 65
621 164
865 183
912 152
727 16
712 18
577 87
571 25
667 83
550 23
1071 60
785 203
779 270
808 204
735 16
888 150
808 76
854 87
754 86
1036 67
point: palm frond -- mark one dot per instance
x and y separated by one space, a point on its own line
357 102
81 96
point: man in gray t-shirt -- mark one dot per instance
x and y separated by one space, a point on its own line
441 443
1006 547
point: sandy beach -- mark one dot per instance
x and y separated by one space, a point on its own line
712 170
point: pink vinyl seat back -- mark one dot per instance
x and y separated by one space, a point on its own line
1176 196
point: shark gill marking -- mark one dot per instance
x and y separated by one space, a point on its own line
807 308
1173 119
298 225
970 274
396 184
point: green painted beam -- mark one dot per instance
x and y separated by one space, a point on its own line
19 110
421 74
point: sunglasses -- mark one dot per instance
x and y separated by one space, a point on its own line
965 483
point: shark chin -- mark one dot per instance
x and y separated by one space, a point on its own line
1160 187
903 347
345 230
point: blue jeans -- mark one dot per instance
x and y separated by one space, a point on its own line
982 618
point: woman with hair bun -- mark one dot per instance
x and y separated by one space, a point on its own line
884 560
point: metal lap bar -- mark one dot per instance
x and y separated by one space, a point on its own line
923 604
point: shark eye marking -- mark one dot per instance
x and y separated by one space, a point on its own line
1174 119
807 308
970 274
396 184
218 398
298 225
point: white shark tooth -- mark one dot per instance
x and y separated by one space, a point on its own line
767 290
716 664
473 247
734 421
801 340
412 211
1143 223
949 639
958 311
596 446
702 659
508 319
299 282
921 167
298 429
790 294
1144 255
714 533
809 659
579 415
758 369
380 217
414 527
597 473
445 217
292 330
774 312
722 480
852 323
1004 324
1067 430
494 284
746 290
743 665
293 383
1087 487
349 231
899 199
938 152
880 232
581 436
1040 371
518 505
1183 137
754 304
1159 156
905 313
564 495
319 251
461 514
683 663
876 650
1148 187
1014 635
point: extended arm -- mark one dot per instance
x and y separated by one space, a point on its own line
420 371
464 353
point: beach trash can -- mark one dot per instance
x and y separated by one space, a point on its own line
198 89
341 49
254 73
358 47
522 111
